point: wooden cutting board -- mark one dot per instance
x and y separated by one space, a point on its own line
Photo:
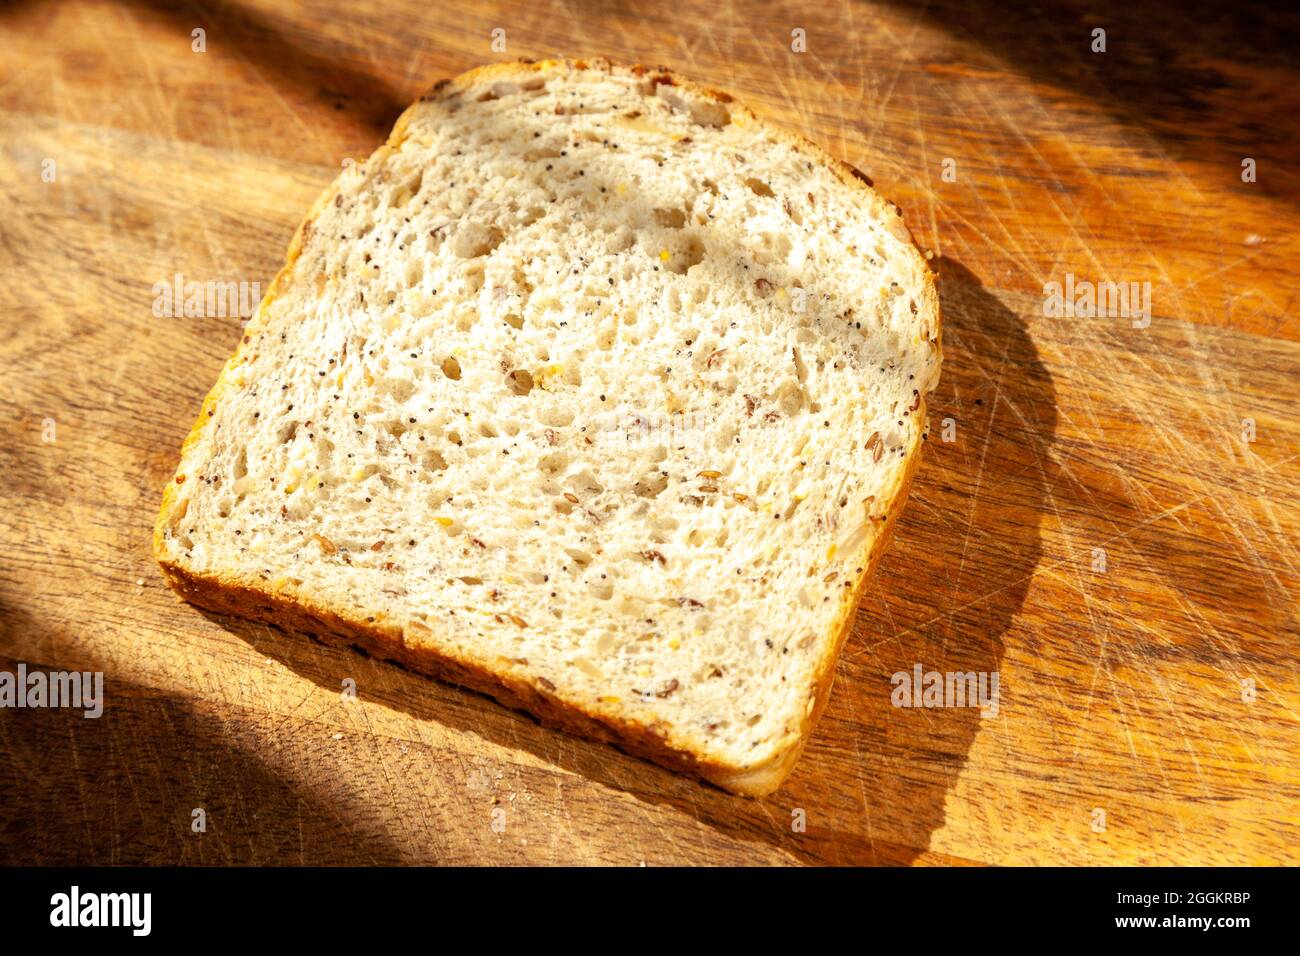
1112 528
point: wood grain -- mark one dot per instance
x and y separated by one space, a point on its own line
1121 689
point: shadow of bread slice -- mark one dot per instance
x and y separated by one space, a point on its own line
588 390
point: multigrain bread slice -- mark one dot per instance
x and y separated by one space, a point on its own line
588 390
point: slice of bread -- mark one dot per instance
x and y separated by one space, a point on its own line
588 390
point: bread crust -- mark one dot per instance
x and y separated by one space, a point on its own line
257 599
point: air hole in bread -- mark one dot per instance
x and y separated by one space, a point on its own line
520 381
651 486
670 218
543 152
474 239
607 334
554 463
400 389
408 190
620 239
770 248
709 113
690 254
473 279
580 557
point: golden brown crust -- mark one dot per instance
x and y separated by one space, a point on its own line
262 600
223 595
